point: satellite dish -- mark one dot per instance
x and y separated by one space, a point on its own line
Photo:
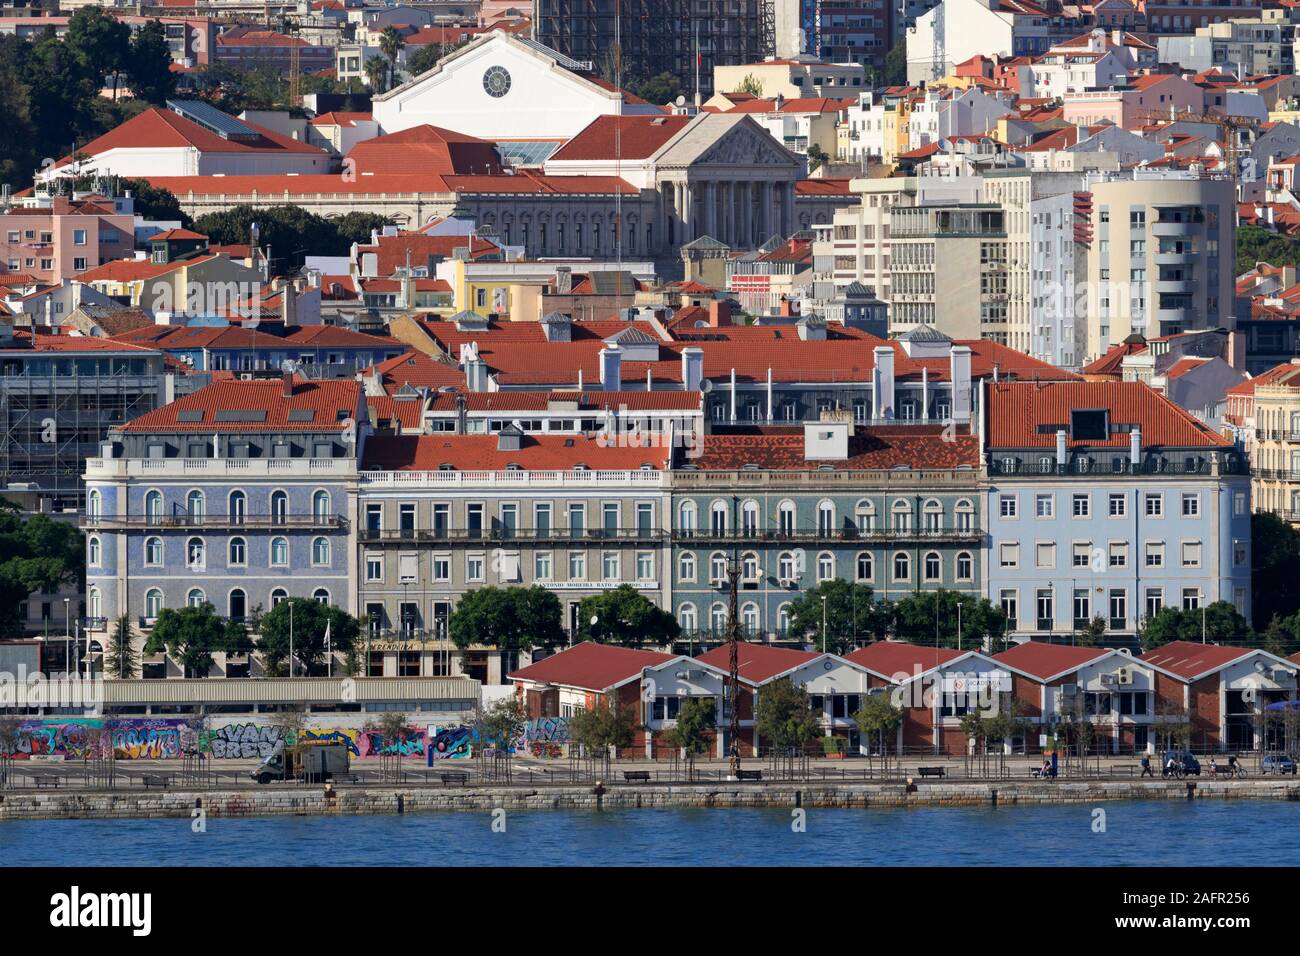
706 385
595 619
680 101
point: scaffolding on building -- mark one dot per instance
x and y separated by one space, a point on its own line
643 38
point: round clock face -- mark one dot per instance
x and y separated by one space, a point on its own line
496 81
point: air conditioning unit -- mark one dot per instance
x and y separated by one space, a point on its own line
1124 675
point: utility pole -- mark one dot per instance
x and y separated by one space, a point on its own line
290 600
733 625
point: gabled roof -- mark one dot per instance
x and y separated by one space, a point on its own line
591 666
1049 661
426 150
896 658
315 406
1191 661
625 137
758 663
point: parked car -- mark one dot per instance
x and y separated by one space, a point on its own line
1277 763
1185 764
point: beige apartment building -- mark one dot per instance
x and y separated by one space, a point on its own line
1275 452
1160 255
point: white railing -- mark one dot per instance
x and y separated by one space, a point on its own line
105 468
514 479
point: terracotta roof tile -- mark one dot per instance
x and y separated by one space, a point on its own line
591 666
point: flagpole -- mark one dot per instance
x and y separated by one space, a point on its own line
329 657
697 64
290 637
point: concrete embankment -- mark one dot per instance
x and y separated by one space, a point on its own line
279 801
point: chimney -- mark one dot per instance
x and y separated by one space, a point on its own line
563 280
286 384
883 382
461 415
1135 447
692 368
959 364
289 305
1062 456
719 312
611 364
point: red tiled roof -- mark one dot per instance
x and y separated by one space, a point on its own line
1189 660
1044 660
426 150
758 662
591 666
341 118
636 137
159 128
332 401
134 270
1183 366
899 660
536 453
391 252
1018 409
871 448
418 370
589 401
1112 362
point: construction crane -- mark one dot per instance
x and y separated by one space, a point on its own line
1230 137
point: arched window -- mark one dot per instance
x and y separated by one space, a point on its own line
238 605
194 509
92 550
718 618
785 567
153 507
153 602
686 618
688 516
717 568
749 518
686 567
320 552
238 506
238 552
749 618
749 569
933 515
965 567
153 551
902 566
94 505
787 517
825 517
279 552
864 516
196 597
825 566
279 595
901 515
783 620
320 505
964 513
95 603
279 507
321 596
933 566
866 567
196 553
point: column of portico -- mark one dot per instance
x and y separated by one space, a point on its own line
747 194
730 206
765 211
787 210
709 225
688 212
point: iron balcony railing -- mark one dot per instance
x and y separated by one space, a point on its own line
971 532
1033 469
476 535
187 522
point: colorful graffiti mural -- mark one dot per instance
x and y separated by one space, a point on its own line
409 743
157 739
136 738
245 741
315 735
451 743
544 737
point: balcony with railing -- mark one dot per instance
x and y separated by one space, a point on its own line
211 522
967 532
481 536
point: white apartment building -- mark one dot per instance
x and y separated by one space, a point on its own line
944 113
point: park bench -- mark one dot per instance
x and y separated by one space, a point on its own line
449 777
749 775
932 771
47 780
639 775
156 780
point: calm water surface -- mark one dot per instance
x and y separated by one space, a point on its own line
1142 833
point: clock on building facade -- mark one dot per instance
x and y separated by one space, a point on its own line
496 81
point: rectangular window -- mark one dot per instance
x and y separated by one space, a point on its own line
1191 554
1044 505
1119 554
1045 555
542 566
577 566
1116 505
609 566
1081 554
1155 601
1155 505
1191 505
1079 506
645 566
374 567
1007 505
474 568
1155 554
441 567
1009 555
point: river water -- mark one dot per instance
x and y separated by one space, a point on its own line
1152 833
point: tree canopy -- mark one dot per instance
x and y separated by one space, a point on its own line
785 716
290 231
310 619
624 616
510 619
603 725
852 615
1217 622
696 720
37 554
192 634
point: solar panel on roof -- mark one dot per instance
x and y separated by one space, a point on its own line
190 415
302 415
211 118
240 415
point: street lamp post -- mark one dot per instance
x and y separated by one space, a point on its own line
67 633
959 625
823 623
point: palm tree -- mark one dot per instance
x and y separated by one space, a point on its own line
390 44
376 70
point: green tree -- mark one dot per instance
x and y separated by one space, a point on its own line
915 619
660 90
751 85
1218 622
852 615
424 59
625 616
310 618
149 64
191 635
1091 633
289 231
390 45
357 226
1256 244
817 157
509 619
40 554
604 725
1274 567
785 715
376 69
696 720
504 722
879 718
101 41
896 64
120 659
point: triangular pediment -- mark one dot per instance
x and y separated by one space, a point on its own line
721 140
